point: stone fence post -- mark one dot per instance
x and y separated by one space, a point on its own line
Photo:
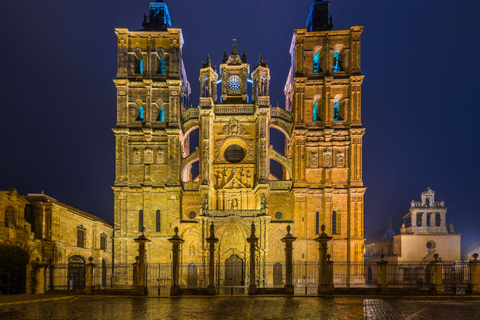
176 241
288 239
253 242
211 272
475 274
382 272
436 274
89 276
325 284
142 262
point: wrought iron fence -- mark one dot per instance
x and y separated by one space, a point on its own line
232 276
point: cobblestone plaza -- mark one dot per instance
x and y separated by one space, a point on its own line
346 307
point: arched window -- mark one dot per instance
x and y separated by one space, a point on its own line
334 222
157 221
438 219
419 219
337 62
336 111
138 62
316 116
316 63
141 114
140 220
161 62
161 114
205 89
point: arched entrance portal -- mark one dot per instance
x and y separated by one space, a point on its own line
76 273
13 262
234 271
277 274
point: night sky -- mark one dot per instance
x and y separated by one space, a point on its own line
420 95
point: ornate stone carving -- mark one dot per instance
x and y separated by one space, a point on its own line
160 156
233 128
148 156
313 160
340 160
327 159
136 156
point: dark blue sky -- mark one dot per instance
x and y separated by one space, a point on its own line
420 94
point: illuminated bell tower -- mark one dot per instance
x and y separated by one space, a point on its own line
323 93
152 91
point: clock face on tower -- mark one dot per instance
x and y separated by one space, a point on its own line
234 82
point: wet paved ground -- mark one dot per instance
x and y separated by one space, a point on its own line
119 308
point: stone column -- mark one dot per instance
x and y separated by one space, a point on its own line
211 268
475 274
253 241
325 285
436 270
176 241
40 277
288 239
382 272
142 261
89 276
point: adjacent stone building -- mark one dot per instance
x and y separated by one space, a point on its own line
423 234
55 234
322 161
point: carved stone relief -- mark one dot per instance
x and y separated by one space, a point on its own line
233 128
340 159
327 159
148 156
160 156
136 156
313 160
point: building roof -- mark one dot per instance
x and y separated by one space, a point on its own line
40 197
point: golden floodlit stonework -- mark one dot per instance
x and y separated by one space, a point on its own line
321 182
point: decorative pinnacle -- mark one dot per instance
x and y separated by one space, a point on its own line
225 58
212 230
322 228
244 57
176 231
143 231
288 229
253 228
234 48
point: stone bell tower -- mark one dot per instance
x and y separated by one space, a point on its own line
152 91
323 93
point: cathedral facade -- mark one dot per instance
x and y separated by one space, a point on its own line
322 161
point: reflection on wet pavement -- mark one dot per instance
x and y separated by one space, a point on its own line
242 307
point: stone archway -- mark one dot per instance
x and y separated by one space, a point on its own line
76 273
13 262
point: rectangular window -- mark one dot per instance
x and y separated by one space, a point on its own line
334 222
437 219
140 220
317 223
103 243
157 221
80 238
